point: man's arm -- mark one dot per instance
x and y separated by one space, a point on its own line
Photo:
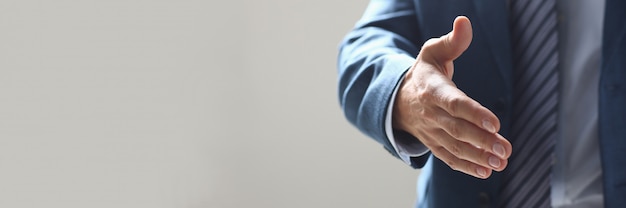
372 60
428 106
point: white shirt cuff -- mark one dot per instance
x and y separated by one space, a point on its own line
405 151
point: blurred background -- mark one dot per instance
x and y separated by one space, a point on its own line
183 103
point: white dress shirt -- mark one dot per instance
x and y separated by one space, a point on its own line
577 173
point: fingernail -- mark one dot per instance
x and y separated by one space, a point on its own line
481 172
494 162
498 149
487 125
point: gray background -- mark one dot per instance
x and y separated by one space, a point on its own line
186 103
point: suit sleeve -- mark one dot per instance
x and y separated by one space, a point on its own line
373 58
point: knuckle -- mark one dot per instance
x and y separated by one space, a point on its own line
456 150
484 142
452 164
454 129
425 95
469 166
447 43
429 44
454 104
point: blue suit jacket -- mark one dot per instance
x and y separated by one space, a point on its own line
382 46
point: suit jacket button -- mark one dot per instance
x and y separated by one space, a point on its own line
483 200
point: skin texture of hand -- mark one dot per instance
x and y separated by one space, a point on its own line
456 129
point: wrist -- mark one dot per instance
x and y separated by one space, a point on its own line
401 103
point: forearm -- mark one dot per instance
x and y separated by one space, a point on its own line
372 60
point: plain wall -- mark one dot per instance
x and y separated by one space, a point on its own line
183 103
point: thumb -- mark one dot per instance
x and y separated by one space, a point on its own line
452 45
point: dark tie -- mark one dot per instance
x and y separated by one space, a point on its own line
526 181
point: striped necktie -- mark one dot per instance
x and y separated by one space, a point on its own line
526 181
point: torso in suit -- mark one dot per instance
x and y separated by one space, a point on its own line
382 47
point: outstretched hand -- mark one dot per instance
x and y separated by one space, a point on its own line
456 128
